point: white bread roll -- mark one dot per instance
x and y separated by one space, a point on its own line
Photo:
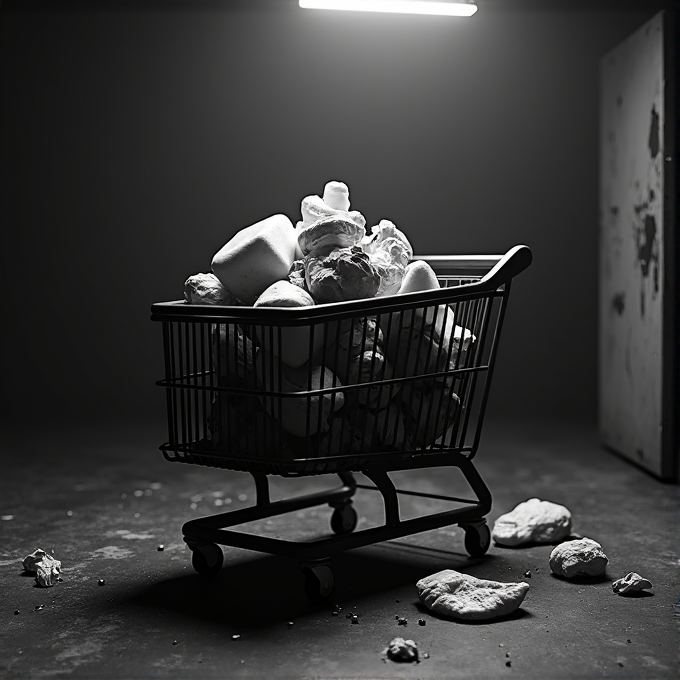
256 257
294 346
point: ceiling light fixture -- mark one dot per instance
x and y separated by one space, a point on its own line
451 9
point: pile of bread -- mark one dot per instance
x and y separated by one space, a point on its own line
326 258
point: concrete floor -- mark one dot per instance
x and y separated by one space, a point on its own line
103 502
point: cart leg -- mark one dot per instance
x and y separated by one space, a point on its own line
386 487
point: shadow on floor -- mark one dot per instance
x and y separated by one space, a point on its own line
261 591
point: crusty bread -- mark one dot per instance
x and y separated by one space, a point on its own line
327 233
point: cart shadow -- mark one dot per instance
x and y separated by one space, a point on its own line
260 591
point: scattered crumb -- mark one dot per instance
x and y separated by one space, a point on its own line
402 650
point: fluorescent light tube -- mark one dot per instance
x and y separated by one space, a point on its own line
451 9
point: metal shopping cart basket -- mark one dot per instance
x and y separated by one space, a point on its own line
390 384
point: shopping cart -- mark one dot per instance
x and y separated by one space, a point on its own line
392 384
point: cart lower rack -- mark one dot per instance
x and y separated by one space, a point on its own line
381 385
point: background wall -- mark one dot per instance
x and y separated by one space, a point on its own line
136 141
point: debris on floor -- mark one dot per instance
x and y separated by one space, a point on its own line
44 566
583 557
402 650
462 596
533 521
631 583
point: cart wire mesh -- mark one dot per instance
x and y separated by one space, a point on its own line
384 380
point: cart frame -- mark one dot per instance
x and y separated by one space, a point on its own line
486 278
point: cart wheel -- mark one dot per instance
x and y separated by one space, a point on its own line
207 559
477 538
344 519
318 582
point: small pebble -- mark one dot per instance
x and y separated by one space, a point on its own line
242 497
508 663
620 664
527 574
421 622
397 601
507 654
629 641
235 637
355 619
102 582
334 613
174 642
38 607
69 513
17 612
426 656
501 645
160 548
290 624
139 493
402 621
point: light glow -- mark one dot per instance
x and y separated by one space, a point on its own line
450 9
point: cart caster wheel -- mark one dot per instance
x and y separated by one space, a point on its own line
207 559
344 520
477 538
318 582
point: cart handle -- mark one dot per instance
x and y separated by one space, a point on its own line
500 268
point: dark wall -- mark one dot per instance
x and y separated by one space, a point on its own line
137 141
